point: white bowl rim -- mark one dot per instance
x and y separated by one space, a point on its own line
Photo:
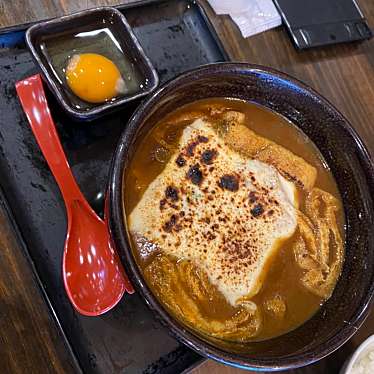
357 353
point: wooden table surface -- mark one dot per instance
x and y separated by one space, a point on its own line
344 74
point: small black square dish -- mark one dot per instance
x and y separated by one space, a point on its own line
92 61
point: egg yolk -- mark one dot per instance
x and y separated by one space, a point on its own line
93 77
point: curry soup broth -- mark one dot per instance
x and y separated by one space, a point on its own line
283 273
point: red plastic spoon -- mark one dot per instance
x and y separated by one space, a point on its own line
93 277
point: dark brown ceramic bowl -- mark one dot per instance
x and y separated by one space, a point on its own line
341 316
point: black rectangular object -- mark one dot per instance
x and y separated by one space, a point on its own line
314 23
177 36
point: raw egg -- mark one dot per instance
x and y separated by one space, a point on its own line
93 77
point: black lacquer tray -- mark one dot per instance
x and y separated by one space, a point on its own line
177 36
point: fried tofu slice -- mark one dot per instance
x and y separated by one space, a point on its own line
241 139
225 213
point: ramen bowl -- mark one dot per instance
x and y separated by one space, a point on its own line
344 312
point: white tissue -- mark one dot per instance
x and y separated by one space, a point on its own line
251 16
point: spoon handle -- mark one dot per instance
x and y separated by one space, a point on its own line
31 94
